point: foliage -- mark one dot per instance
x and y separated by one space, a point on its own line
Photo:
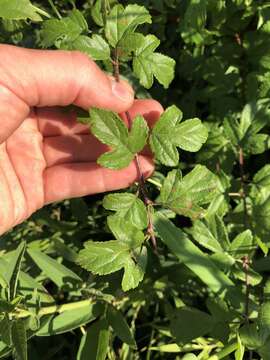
176 266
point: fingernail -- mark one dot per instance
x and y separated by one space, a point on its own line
122 91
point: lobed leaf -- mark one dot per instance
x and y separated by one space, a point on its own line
123 21
129 207
186 195
147 64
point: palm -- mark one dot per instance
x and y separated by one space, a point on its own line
51 157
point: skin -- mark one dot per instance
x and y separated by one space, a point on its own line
45 155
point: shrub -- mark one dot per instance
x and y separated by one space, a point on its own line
177 265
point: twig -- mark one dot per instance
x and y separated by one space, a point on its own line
116 72
142 188
245 259
243 186
55 9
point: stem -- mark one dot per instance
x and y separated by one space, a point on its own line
116 71
54 309
142 189
243 186
148 202
246 268
55 9
246 260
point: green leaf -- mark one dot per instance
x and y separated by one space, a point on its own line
77 17
5 330
185 196
254 277
125 232
97 12
257 144
254 117
126 252
116 159
66 30
135 268
4 350
110 129
55 271
6 306
13 269
251 337
96 47
27 287
71 319
160 140
120 326
19 340
138 134
128 207
20 10
123 21
187 324
95 343
242 245
103 258
147 64
262 177
190 135
211 234
264 320
240 352
167 134
188 253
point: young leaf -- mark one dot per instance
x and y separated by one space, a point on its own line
190 135
111 130
123 21
20 10
147 64
65 30
138 134
167 134
97 12
103 258
120 326
185 196
96 47
77 17
135 268
129 207
160 139
95 343
19 340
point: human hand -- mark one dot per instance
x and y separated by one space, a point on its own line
45 155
